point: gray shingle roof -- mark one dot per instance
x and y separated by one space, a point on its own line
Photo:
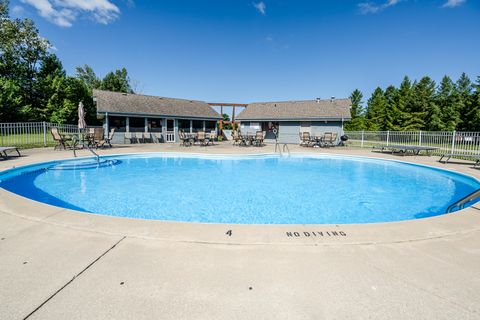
136 104
298 110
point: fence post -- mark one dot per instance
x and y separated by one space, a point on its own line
388 136
44 134
420 138
453 141
363 131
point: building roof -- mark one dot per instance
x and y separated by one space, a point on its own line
298 110
142 105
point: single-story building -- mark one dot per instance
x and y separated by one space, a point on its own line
141 113
289 118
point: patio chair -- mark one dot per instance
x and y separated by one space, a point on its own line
259 138
185 141
327 140
3 151
157 137
146 137
306 139
201 138
98 136
212 137
236 138
128 137
62 142
107 140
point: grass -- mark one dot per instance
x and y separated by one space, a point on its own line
26 140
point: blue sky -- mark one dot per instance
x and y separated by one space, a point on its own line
245 51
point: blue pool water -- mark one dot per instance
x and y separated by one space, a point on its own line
267 189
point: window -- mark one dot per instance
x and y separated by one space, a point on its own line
137 124
119 123
197 125
155 124
184 125
210 125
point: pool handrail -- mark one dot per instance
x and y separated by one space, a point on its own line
461 203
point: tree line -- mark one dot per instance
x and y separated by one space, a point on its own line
33 83
419 105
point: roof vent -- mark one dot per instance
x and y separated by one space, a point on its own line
318 100
332 99
124 93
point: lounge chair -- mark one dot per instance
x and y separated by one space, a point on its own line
472 157
62 142
107 140
3 151
404 149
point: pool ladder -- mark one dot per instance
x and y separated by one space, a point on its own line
282 149
460 204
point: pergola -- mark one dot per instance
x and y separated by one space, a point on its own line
232 105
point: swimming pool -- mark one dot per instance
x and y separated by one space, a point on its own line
260 189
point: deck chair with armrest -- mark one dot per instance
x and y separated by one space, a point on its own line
98 136
306 139
201 138
259 138
327 140
62 143
107 140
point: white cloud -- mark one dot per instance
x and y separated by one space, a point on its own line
370 7
17 10
64 12
453 3
261 7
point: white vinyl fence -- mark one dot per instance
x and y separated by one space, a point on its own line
447 141
31 134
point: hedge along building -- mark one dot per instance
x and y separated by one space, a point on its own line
290 118
141 113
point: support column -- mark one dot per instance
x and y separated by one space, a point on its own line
204 126
146 124
191 126
127 124
107 124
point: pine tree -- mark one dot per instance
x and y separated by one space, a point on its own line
464 88
473 115
448 101
425 114
357 112
403 100
375 115
391 110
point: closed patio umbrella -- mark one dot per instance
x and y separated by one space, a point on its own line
81 116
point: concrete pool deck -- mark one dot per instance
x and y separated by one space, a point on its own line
61 264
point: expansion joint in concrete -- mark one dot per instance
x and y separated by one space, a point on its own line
74 277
